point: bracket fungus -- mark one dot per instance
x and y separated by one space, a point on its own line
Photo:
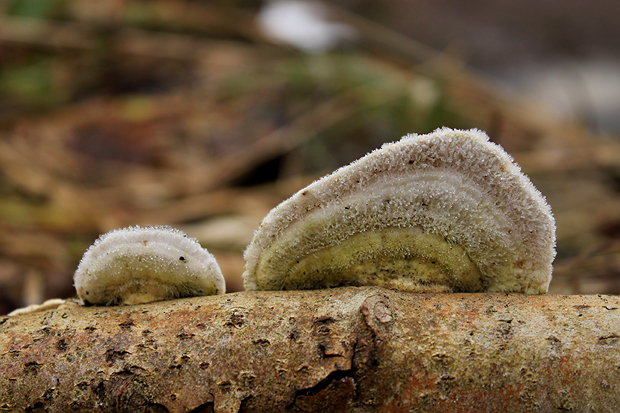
144 264
447 211
50 304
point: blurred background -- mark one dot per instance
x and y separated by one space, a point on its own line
204 115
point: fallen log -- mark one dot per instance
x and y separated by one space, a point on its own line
344 349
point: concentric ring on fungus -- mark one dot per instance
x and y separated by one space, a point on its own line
447 211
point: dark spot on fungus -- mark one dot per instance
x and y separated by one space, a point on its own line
182 259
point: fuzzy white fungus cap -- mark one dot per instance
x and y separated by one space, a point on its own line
447 211
144 264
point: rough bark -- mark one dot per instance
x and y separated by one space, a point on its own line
347 349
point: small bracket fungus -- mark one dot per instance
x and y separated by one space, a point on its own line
139 265
50 304
447 211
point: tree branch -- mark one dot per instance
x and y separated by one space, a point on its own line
346 349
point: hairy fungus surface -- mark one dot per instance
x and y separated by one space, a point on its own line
139 265
447 211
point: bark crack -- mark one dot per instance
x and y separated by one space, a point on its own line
330 382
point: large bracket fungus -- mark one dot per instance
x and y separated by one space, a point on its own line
447 211
143 264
